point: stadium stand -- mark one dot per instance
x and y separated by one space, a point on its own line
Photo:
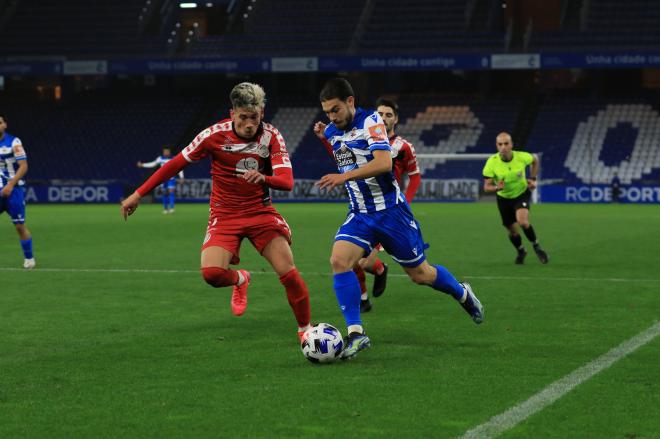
426 25
74 28
581 141
98 137
608 24
588 141
327 28
347 26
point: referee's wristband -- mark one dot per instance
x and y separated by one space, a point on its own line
531 178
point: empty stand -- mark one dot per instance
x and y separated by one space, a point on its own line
609 24
78 28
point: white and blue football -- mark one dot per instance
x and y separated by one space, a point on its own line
322 343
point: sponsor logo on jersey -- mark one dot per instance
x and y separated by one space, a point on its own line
247 164
345 157
18 149
378 133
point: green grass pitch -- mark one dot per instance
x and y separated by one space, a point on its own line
115 334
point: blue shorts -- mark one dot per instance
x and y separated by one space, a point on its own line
396 229
14 205
169 184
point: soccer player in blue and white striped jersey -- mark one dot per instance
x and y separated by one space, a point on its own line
378 212
13 167
169 186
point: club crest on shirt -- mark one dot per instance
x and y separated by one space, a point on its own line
519 174
263 151
345 157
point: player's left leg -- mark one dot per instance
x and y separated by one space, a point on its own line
278 253
439 278
25 238
215 260
372 264
170 196
365 303
522 218
402 238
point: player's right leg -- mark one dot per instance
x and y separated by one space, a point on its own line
345 254
165 200
215 260
516 241
507 208
170 199
16 211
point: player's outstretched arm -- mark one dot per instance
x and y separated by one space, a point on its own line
319 130
152 164
381 163
130 204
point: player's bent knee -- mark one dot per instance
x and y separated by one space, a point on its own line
218 277
340 264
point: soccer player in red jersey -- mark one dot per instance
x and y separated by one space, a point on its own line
404 161
248 158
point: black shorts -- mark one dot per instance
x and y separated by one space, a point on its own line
508 206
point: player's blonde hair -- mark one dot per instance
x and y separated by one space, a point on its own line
248 95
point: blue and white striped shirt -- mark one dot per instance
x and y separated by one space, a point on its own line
11 152
353 148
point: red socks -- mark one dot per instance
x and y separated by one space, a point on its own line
219 277
378 267
362 278
296 292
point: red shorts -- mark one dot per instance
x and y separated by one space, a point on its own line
260 228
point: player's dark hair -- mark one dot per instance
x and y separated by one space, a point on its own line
338 88
388 103
2 115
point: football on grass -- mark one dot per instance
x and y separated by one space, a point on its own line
322 343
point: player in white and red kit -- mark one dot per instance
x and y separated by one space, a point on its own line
404 162
248 158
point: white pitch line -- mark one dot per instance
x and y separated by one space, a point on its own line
327 273
515 415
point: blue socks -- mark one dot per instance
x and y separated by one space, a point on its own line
165 201
347 289
27 248
171 197
447 283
